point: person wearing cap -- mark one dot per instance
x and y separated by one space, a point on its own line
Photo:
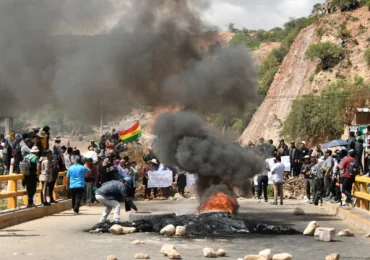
317 152
46 164
327 168
30 181
76 175
43 139
111 194
294 159
121 168
306 171
317 182
277 172
348 177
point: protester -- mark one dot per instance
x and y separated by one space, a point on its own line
351 169
25 147
146 169
270 149
336 194
111 194
76 184
121 168
42 139
181 181
30 177
90 180
135 180
46 175
318 152
262 182
359 151
58 154
351 141
306 171
102 145
283 149
109 144
294 159
317 182
262 148
326 169
95 147
107 172
277 172
68 158
137 144
17 153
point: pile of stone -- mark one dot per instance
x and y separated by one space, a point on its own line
212 253
294 188
170 230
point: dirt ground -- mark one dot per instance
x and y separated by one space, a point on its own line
61 236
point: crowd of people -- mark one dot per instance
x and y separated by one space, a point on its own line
327 174
87 174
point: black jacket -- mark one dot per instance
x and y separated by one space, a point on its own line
116 190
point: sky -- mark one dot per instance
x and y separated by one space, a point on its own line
256 14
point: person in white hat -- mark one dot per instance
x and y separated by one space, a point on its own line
31 176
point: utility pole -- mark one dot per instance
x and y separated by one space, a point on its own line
101 118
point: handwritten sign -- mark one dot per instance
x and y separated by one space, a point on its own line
286 161
160 179
190 180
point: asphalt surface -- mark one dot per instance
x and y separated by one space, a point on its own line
61 236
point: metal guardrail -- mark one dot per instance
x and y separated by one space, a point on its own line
361 193
13 193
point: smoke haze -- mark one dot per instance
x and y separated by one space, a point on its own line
147 55
184 141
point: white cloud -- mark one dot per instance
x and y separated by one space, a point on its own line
256 14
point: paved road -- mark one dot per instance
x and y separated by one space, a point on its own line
61 236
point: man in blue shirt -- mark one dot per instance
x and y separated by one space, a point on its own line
76 184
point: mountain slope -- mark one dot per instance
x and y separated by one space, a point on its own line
288 83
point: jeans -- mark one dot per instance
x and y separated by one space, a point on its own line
31 184
327 180
51 186
278 189
347 188
318 190
89 191
109 205
76 194
308 185
263 182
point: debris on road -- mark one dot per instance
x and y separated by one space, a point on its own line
111 257
334 256
209 252
310 229
116 229
367 235
168 230
254 257
283 256
221 252
298 212
346 233
128 230
141 256
266 253
324 234
294 188
137 242
180 231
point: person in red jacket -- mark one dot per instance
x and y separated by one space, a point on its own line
349 166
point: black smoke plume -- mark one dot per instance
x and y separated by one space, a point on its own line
185 141
63 52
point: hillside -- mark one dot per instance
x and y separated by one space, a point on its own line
298 76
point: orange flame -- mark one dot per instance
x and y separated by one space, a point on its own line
219 201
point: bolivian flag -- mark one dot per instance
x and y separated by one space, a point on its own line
131 134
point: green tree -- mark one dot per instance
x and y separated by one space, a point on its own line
316 8
367 3
327 52
344 3
367 56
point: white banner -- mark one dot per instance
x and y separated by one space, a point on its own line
190 180
286 161
160 179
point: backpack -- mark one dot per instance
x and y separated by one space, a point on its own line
353 169
25 164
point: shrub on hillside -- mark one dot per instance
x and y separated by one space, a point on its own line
344 33
268 78
345 4
320 32
327 52
367 56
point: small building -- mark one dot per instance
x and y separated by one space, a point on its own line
362 116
